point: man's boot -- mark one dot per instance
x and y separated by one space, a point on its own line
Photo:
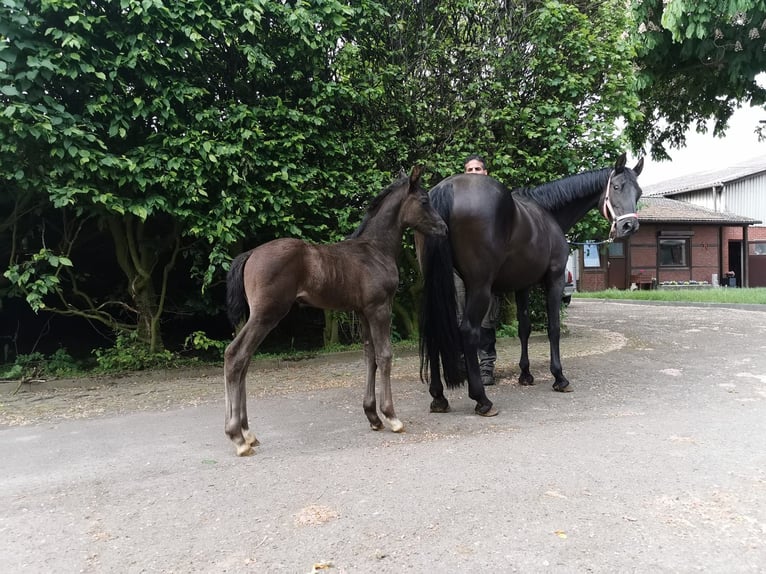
487 356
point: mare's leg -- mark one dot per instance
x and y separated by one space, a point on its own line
380 331
369 404
560 382
525 330
439 404
477 302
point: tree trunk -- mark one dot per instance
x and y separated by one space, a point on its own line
138 256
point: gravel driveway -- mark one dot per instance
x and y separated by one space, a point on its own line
656 463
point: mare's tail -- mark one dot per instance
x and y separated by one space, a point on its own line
439 334
236 300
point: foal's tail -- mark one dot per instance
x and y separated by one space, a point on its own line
236 300
439 333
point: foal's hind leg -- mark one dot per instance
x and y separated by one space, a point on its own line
236 361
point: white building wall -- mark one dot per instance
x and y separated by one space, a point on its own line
748 197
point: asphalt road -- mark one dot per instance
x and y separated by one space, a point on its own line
656 463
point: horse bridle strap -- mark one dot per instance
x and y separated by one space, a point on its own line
608 211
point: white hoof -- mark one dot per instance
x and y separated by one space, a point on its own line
245 450
394 424
249 438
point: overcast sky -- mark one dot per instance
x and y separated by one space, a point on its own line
705 152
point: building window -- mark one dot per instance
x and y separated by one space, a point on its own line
674 252
758 248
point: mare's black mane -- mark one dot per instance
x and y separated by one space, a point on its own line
559 193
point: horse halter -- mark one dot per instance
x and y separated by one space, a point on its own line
607 209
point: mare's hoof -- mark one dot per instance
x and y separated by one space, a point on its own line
440 406
376 426
564 387
486 411
526 380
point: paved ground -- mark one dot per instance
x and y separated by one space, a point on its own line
656 463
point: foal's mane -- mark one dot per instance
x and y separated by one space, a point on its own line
558 193
375 204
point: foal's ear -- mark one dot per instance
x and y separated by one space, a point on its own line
401 173
619 165
639 166
417 171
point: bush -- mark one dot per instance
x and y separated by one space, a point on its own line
130 354
36 365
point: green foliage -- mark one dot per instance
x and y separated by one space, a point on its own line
38 277
538 309
37 366
131 354
211 349
189 123
176 134
696 60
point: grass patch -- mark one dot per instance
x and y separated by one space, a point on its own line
754 295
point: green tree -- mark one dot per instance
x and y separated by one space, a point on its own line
696 60
184 132
176 128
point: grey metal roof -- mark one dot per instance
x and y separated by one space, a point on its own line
707 179
665 210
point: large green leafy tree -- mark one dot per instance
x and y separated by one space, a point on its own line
177 129
186 131
536 87
696 60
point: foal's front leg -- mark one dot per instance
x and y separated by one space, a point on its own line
370 406
379 325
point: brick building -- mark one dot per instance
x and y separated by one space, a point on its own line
700 227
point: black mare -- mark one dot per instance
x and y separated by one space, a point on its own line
499 242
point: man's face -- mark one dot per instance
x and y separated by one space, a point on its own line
475 166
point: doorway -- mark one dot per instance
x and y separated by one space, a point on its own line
617 268
735 261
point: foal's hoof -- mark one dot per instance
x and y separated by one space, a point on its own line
250 438
376 426
394 424
245 450
563 387
486 410
440 405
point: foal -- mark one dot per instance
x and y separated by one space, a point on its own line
358 274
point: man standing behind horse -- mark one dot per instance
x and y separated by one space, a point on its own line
475 164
